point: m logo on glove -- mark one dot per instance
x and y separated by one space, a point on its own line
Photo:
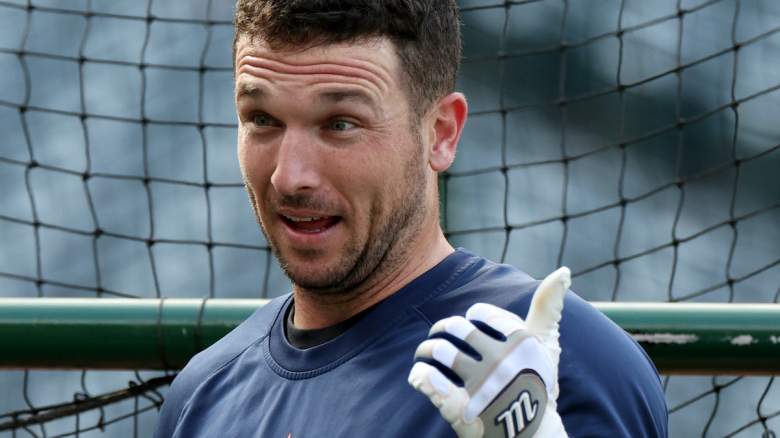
518 418
521 412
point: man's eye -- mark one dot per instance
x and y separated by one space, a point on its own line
264 120
341 125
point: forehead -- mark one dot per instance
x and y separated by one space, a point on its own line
371 62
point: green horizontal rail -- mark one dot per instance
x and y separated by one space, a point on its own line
681 338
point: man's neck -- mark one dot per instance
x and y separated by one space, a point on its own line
313 311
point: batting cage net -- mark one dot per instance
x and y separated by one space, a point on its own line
636 142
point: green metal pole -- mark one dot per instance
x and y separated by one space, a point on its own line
681 338
704 338
113 333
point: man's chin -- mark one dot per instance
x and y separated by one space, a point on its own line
314 276
322 285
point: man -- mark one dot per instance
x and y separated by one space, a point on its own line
346 116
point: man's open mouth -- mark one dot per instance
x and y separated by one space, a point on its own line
310 224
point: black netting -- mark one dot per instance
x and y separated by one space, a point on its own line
635 142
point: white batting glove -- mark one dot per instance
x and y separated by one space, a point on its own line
510 385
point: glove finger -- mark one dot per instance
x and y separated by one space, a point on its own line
445 395
464 330
447 354
503 321
431 382
547 305
457 326
465 336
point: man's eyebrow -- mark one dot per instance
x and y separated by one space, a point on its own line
354 95
249 90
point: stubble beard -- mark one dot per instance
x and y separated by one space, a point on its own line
385 247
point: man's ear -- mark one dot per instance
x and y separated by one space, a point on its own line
450 115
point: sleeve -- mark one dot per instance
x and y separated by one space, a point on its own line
175 401
608 385
208 361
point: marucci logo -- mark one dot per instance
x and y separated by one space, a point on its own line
518 415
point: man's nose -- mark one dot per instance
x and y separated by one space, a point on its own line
297 165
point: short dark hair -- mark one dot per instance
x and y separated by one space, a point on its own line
426 34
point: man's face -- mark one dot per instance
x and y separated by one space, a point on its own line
335 170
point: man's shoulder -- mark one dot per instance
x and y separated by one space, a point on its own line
214 358
483 281
249 332
508 287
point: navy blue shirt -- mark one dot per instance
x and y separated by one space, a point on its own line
253 383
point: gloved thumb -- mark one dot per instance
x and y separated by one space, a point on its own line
546 307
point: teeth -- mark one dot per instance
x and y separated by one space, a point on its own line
303 219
